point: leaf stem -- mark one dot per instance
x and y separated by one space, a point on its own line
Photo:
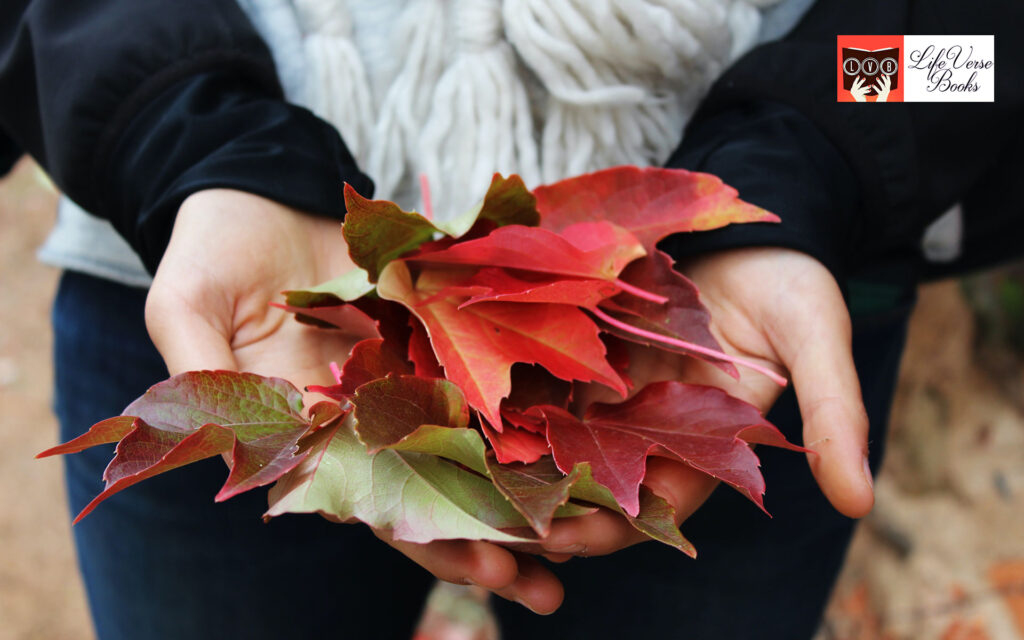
335 371
640 293
689 346
428 207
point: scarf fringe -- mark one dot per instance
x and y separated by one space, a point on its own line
543 88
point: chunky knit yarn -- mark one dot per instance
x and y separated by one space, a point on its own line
458 89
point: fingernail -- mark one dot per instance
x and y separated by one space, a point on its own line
867 474
522 602
572 548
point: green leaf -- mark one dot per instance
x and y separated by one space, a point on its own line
650 202
418 497
351 285
464 446
378 231
508 201
656 518
226 398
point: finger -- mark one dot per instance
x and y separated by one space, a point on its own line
186 339
596 534
682 486
834 418
535 587
605 531
461 561
516 577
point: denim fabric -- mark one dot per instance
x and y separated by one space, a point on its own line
161 560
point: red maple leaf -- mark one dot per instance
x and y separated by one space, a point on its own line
478 344
702 426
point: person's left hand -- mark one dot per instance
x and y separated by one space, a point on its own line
781 309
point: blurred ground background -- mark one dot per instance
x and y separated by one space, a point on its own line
941 557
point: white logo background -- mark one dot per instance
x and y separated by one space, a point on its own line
948 68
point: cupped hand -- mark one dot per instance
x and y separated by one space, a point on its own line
230 255
781 309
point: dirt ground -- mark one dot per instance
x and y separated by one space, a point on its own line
942 554
41 596
941 558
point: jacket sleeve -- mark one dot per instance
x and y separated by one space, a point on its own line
854 183
133 106
9 153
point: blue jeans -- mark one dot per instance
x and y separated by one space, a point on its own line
162 560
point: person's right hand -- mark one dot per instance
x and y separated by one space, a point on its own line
230 255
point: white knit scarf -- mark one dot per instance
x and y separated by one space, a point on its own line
458 89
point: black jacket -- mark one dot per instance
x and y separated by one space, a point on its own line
132 106
856 184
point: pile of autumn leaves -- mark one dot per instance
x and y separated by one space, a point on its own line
454 416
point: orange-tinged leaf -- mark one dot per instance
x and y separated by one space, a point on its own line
604 238
513 444
507 285
421 354
478 345
104 432
649 202
536 249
